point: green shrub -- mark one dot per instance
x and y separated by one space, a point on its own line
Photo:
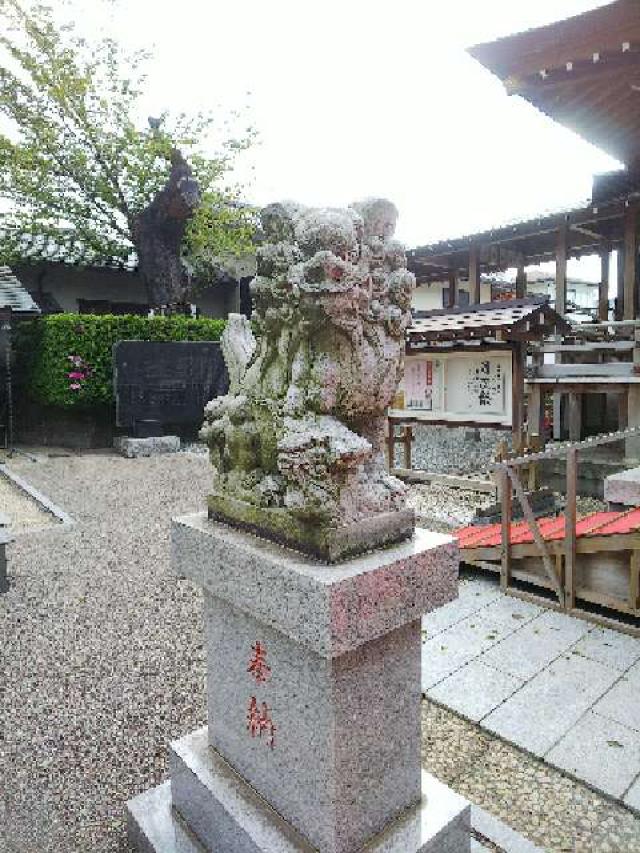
43 349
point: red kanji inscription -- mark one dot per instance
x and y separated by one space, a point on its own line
258 666
259 721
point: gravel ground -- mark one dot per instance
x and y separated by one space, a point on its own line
444 508
23 512
550 809
103 665
101 656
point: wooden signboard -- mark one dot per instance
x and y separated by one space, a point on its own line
458 387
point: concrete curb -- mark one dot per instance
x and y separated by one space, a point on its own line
66 521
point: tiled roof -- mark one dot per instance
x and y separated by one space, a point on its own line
514 317
13 295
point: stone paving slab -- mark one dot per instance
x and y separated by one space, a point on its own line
609 647
542 711
632 797
601 752
475 690
510 613
537 644
496 617
621 704
471 597
451 649
551 684
633 673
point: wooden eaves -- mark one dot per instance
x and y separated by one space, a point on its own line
532 241
583 72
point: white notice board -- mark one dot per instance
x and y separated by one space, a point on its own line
459 387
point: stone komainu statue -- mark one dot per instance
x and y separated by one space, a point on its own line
297 444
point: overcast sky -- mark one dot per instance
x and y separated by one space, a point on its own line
359 97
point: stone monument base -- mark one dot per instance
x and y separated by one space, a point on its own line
623 489
329 544
133 448
207 806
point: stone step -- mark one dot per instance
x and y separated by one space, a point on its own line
153 826
228 815
499 834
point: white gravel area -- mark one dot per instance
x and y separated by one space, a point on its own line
101 656
23 511
444 508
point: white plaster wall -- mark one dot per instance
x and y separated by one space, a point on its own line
68 284
427 297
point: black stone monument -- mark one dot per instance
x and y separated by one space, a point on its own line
163 385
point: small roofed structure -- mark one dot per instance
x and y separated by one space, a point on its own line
14 297
466 367
15 302
512 321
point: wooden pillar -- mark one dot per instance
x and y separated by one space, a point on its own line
630 262
561 270
623 406
575 416
561 308
474 275
619 312
632 445
557 415
535 413
603 289
570 529
391 444
504 488
517 394
535 403
453 289
521 282
407 438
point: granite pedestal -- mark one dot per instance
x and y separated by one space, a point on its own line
134 448
314 699
623 488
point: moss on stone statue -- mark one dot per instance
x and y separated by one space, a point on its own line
298 442
317 537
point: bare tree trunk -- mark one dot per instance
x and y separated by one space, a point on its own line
158 232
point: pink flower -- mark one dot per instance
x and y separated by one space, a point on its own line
75 386
76 374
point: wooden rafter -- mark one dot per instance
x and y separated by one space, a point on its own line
599 66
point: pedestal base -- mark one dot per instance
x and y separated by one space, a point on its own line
134 448
325 543
208 807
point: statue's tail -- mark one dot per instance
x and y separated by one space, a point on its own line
238 346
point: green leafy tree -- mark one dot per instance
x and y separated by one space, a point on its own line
76 167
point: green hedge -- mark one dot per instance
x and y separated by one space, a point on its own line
42 348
